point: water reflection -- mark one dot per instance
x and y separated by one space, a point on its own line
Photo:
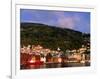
55 65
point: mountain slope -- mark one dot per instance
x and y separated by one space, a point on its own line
50 37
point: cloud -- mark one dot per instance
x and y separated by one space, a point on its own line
66 20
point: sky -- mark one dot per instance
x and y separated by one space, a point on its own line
79 21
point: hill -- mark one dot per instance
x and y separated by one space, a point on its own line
50 36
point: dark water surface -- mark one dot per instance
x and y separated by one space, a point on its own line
55 65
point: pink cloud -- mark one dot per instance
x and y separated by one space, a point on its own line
67 21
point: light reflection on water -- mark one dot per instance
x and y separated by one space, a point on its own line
54 65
